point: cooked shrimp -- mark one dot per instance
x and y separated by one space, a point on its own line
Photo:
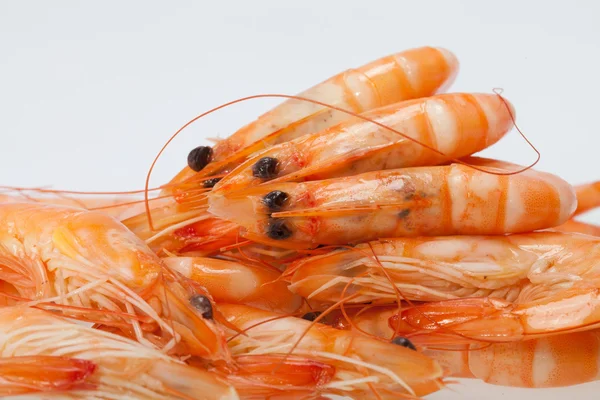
456 125
560 294
442 200
360 361
554 361
236 282
123 369
441 268
427 268
414 73
88 261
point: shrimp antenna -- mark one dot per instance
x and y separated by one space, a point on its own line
332 107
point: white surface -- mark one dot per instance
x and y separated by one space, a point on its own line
89 91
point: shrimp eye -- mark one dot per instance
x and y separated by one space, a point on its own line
199 157
404 342
278 229
275 200
202 304
209 183
311 316
265 168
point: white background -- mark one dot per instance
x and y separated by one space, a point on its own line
89 91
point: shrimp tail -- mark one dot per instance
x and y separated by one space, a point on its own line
27 374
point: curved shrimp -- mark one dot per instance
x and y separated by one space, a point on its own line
456 124
554 361
360 361
442 200
560 295
235 282
123 368
414 73
87 261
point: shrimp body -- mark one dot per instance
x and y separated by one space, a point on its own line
358 359
236 282
553 361
442 200
427 268
456 125
123 369
87 260
414 73
560 295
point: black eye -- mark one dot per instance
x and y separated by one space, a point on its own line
265 168
278 229
311 316
209 183
199 157
275 200
404 342
203 305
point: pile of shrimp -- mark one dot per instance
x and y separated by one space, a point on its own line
347 242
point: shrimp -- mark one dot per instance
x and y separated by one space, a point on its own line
414 73
441 200
87 261
441 268
236 282
360 361
411 74
122 368
560 294
457 125
553 361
